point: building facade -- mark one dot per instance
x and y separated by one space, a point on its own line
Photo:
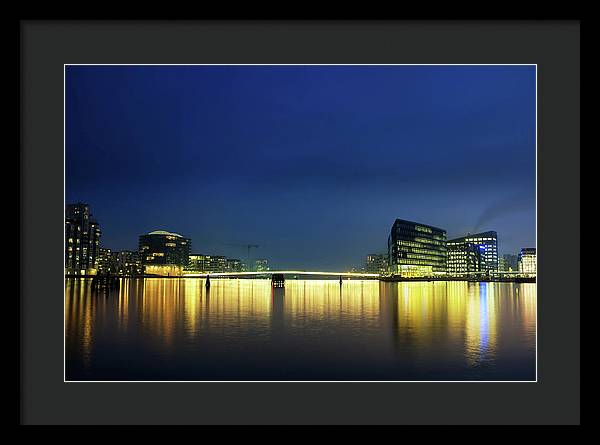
464 257
376 263
164 253
106 264
213 264
207 263
261 265
234 265
477 253
416 249
82 240
528 260
123 263
128 263
509 263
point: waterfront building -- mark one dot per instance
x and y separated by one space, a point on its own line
106 263
215 263
261 265
528 260
233 265
502 265
82 240
509 263
121 263
195 263
164 253
474 253
416 249
128 263
207 263
464 257
376 263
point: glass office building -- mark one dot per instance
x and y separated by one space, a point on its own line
528 260
464 257
477 253
416 249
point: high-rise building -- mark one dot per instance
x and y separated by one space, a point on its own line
464 257
416 249
164 253
473 253
376 263
82 240
528 260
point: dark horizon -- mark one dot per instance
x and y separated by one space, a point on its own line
312 163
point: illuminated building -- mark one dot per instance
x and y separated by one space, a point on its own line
195 263
164 253
82 240
213 263
128 263
233 265
261 265
106 264
473 253
528 260
416 249
464 257
207 263
123 263
376 263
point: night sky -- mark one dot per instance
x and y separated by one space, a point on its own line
313 163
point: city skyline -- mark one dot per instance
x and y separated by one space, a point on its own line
298 159
414 246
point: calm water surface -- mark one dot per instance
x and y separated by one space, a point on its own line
174 329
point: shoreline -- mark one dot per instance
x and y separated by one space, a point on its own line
382 279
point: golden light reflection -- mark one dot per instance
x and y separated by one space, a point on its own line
80 313
426 320
321 299
123 303
457 315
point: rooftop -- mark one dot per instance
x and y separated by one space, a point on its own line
164 232
406 221
488 234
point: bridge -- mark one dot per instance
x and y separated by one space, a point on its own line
280 272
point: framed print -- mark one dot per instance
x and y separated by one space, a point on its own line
335 223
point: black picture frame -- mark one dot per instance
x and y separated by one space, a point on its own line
47 45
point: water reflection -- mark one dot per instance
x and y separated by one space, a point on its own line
359 329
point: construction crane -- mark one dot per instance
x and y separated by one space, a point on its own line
248 247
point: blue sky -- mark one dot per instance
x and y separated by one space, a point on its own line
313 163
